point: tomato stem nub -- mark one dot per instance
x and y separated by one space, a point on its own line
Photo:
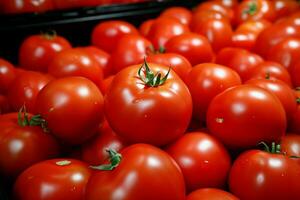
114 159
268 76
252 8
275 148
298 100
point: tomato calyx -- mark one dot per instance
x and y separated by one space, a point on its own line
49 34
252 8
114 159
149 78
275 149
268 76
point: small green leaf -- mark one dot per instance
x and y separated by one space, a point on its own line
252 8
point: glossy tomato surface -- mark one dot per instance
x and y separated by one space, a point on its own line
7 75
182 14
211 194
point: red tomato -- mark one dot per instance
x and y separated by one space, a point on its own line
107 34
284 7
284 93
159 113
182 14
163 29
145 27
290 145
25 88
7 75
228 3
94 151
37 51
76 62
4 104
145 172
177 62
72 107
211 194
260 175
295 74
130 50
55 179
105 84
204 161
63 4
194 47
218 32
240 60
25 6
22 145
207 80
294 125
239 119
271 70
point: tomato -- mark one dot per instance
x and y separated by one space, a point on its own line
284 93
159 112
4 105
63 4
145 27
72 107
204 161
207 80
107 34
105 84
22 145
130 50
211 194
284 7
76 62
53 180
239 119
194 47
259 175
25 88
271 70
25 6
177 62
290 144
218 32
145 172
228 3
182 14
163 29
7 75
240 60
254 10
294 125
37 51
101 57
295 74
94 151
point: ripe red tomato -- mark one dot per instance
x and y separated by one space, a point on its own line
204 161
182 14
294 125
25 6
7 75
105 84
239 119
4 105
228 3
63 4
145 27
295 74
211 194
260 175
107 34
130 50
284 8
37 51
72 107
55 179
94 152
145 172
194 47
177 62
240 60
76 62
159 112
207 80
290 145
165 28
22 145
25 88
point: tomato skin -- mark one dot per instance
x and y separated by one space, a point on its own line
21 147
37 51
105 84
207 80
211 194
182 14
25 88
204 161
7 75
107 34
259 175
64 180
4 105
238 117
145 27
294 125
76 62
65 4
240 60
290 144
130 50
192 46
165 28
285 8
177 62
153 174
25 6
72 107
129 96
228 3
94 151
295 74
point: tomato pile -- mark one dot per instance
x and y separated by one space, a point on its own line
192 105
